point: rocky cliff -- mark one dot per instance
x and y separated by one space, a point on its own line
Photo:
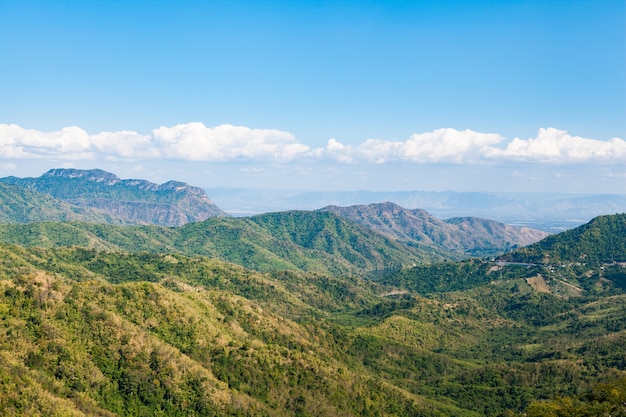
130 201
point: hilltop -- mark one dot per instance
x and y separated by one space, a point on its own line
465 236
599 241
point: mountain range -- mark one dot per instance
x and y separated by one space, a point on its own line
462 235
96 195
362 310
552 212
86 331
300 241
384 235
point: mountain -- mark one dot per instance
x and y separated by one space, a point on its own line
598 242
92 339
302 241
99 333
589 259
361 239
552 212
22 205
464 236
128 201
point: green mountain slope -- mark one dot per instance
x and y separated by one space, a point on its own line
88 333
85 332
586 260
128 201
599 241
306 241
123 323
536 324
330 233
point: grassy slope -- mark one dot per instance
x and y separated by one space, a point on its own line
86 332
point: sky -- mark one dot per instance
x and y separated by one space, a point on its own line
474 95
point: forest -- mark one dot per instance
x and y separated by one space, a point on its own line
539 331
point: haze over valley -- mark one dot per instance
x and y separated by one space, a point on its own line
553 212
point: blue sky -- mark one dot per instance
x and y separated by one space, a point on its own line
416 95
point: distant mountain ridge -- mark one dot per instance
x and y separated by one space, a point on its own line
355 239
107 178
469 236
553 212
130 201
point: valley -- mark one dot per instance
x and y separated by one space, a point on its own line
372 309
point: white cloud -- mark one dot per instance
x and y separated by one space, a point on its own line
192 141
196 142
469 147
19 143
557 146
450 145
124 144
71 143
442 145
339 151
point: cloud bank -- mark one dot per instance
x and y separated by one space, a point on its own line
442 145
196 142
557 146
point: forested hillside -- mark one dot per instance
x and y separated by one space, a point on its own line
589 259
303 241
599 241
86 333
92 332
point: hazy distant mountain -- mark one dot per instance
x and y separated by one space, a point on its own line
470 235
547 211
483 236
130 201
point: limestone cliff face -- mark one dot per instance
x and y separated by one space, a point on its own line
472 236
130 201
